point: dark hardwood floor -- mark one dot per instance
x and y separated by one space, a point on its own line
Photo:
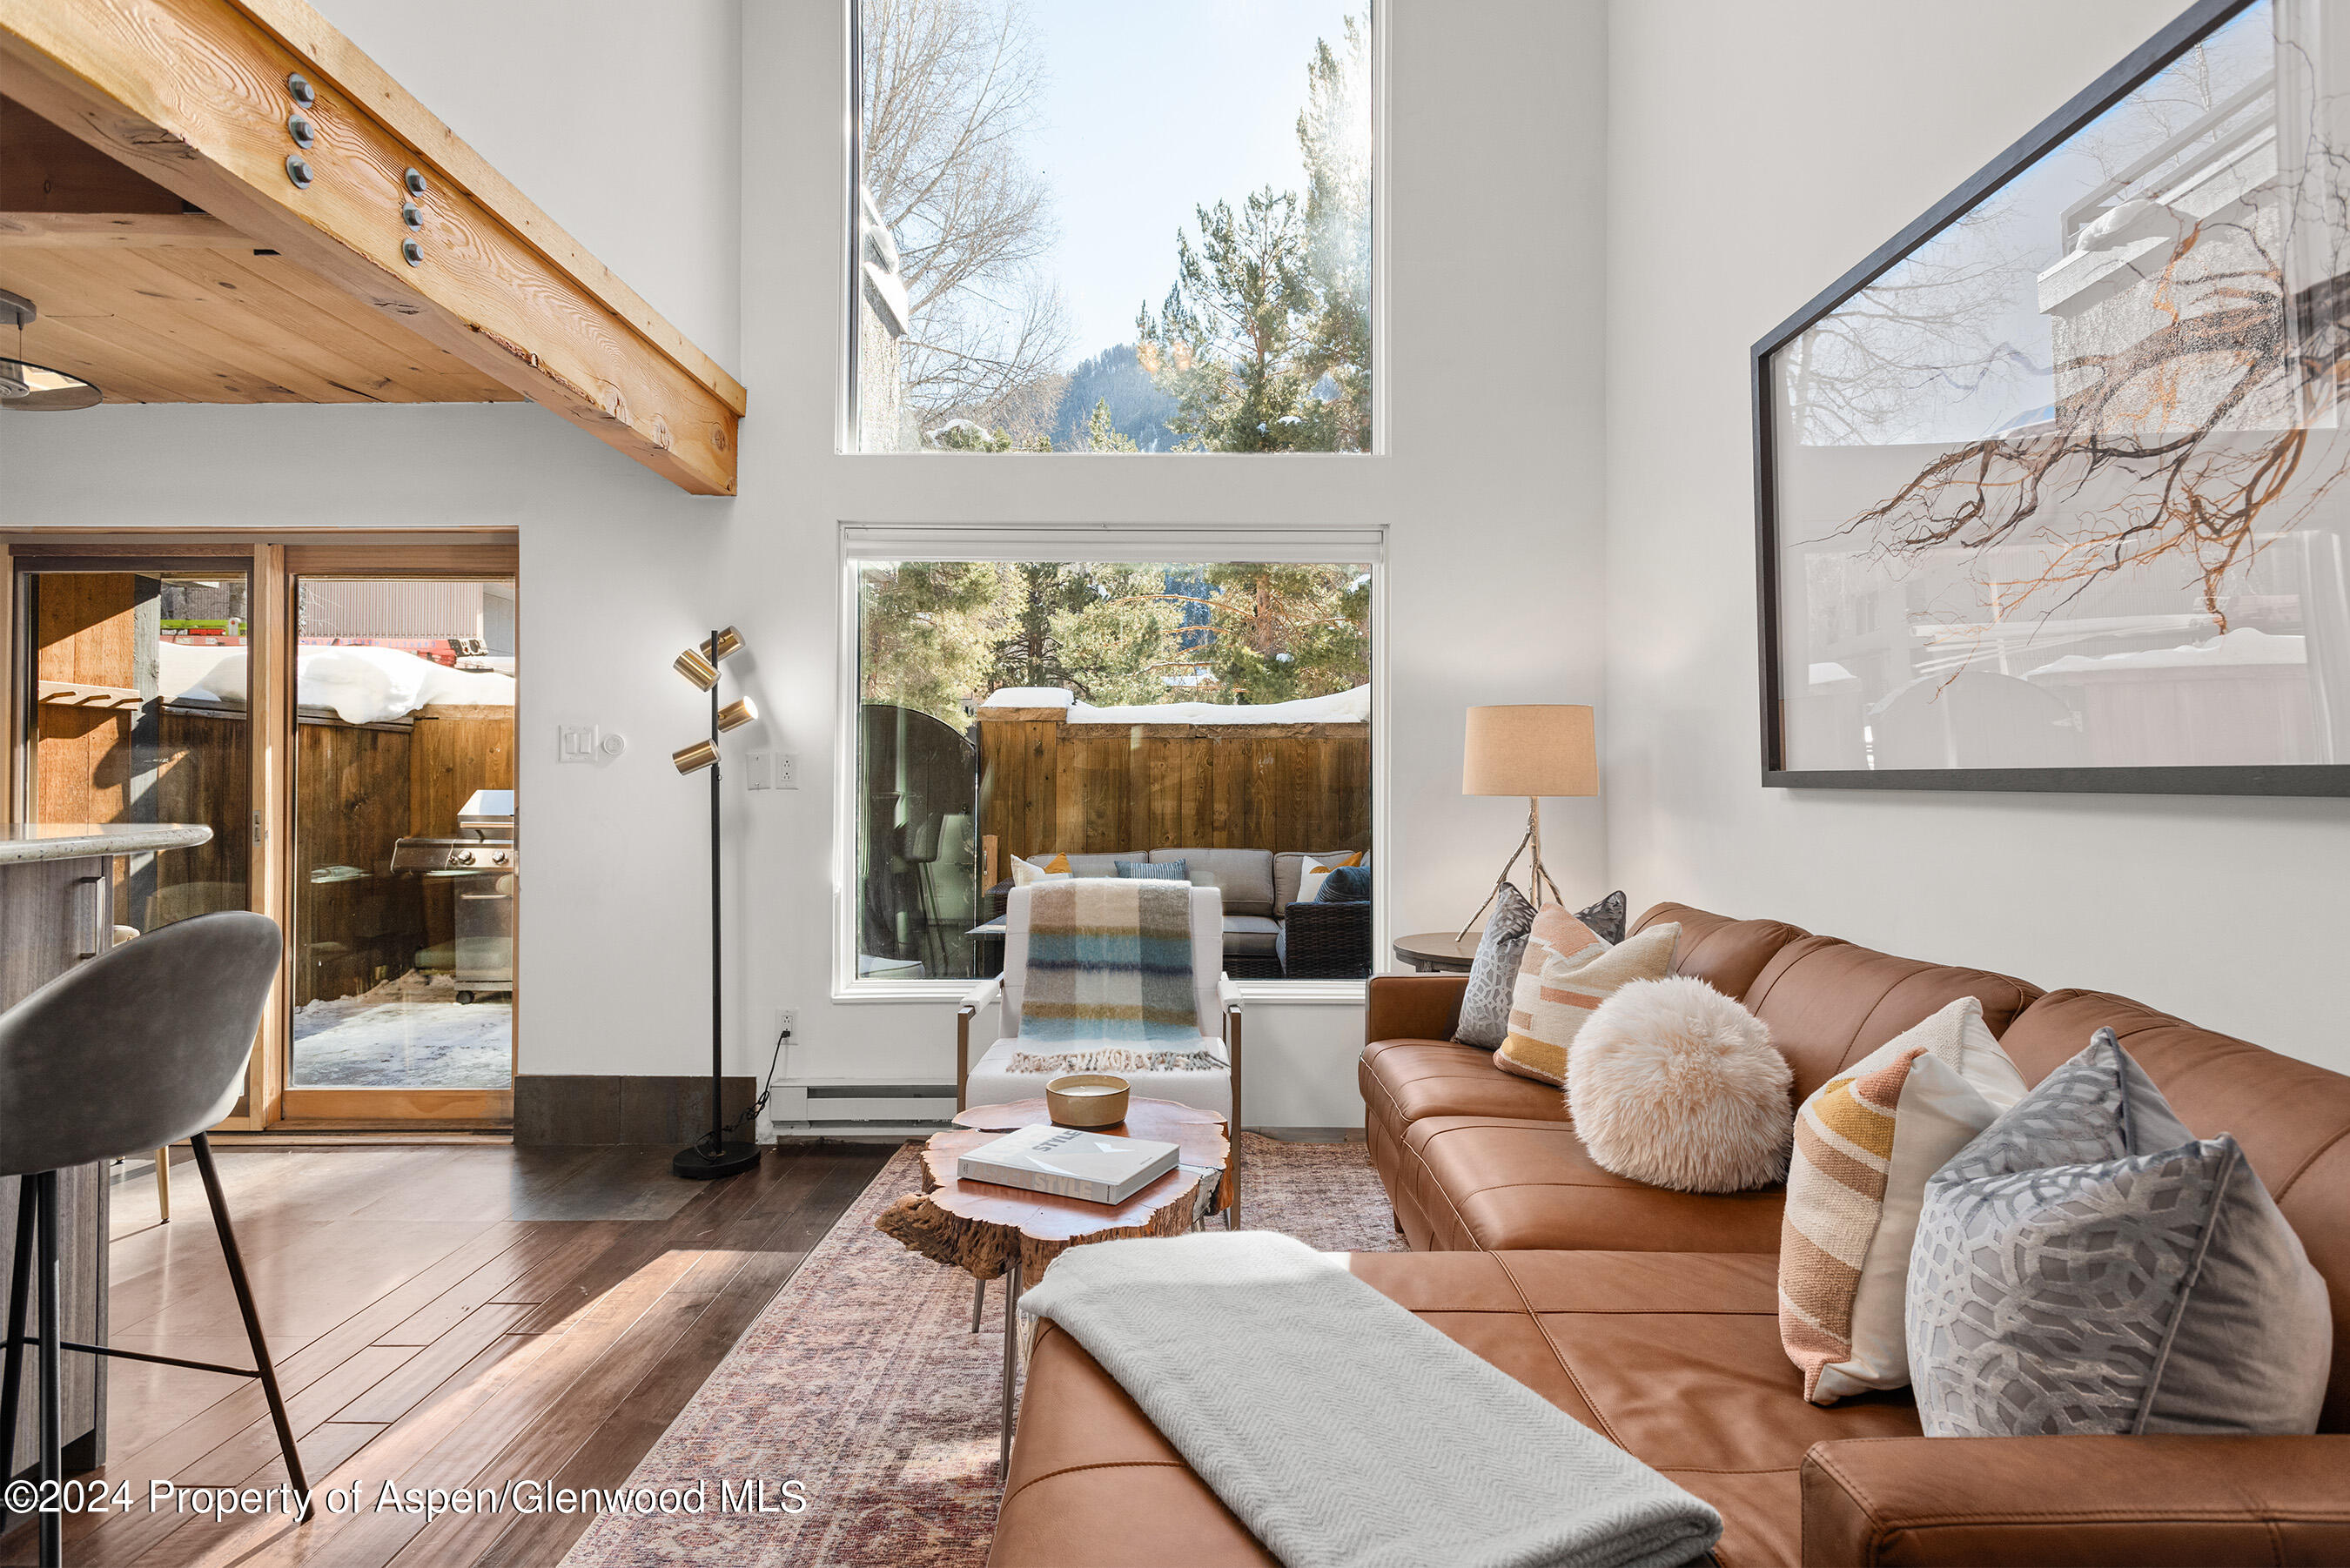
447 1316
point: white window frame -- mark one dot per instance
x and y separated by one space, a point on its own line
845 391
859 543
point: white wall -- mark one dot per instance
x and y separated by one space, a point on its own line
1489 362
1755 153
619 118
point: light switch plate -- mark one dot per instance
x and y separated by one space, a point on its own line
575 743
758 770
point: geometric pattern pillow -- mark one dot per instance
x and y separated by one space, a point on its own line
1865 1143
2088 1266
1574 977
1485 1006
1607 918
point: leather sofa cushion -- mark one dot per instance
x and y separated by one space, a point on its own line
1829 1002
1404 1080
1507 1185
1250 933
1726 954
1674 1356
1245 876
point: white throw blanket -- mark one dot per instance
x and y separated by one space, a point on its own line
1345 1432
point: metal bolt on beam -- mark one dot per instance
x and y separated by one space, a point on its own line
298 88
414 181
298 168
412 252
301 131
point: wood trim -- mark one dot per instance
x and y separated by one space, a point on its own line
19 670
391 1109
400 559
394 546
192 94
270 668
120 230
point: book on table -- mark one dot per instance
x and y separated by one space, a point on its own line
1069 1162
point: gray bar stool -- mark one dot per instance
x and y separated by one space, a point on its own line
140 1047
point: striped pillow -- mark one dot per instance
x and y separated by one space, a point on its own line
1566 973
1865 1143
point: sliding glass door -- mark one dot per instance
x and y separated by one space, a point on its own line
406 871
133 678
342 717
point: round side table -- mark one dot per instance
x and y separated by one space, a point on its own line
1438 952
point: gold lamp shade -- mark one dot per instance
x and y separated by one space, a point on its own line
737 714
699 665
692 759
1531 750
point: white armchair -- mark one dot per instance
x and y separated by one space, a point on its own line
990 1080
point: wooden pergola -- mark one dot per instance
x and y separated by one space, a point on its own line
225 200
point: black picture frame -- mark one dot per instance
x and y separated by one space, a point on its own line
2303 779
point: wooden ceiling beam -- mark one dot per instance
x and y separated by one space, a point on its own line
192 95
121 231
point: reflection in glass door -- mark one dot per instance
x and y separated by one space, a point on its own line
137 713
406 869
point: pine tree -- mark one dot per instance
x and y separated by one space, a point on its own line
1264 338
1102 435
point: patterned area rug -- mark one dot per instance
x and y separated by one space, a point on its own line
863 1382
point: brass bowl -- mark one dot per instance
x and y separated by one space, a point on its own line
1087 1100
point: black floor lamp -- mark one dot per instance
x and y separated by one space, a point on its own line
716 1153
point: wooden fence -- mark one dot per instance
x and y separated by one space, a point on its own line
359 787
1046 785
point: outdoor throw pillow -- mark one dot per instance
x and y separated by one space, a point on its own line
1316 869
1566 973
1160 870
1865 1143
1494 975
1026 873
2088 1265
1345 885
1671 1083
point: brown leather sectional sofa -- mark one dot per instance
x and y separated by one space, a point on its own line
1652 1316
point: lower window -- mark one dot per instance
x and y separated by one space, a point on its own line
1020 718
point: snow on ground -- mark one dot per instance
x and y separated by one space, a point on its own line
1339 708
407 1034
363 685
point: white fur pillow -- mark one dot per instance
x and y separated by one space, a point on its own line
1671 1083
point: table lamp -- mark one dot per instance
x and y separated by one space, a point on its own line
1531 750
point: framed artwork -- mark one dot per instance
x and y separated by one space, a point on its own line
2050 490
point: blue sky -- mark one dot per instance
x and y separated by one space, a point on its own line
1152 107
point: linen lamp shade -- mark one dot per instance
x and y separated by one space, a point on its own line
1532 750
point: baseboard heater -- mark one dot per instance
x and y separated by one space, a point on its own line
831 1108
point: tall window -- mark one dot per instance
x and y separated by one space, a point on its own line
1015 716
1090 227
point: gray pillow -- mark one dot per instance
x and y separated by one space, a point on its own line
1485 1006
2088 1265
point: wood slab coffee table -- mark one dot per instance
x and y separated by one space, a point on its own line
990 1230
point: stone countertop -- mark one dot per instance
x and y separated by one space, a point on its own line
27 841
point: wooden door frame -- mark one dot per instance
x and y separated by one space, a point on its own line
274 562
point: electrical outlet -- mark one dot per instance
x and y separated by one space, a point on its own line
787 771
786 1020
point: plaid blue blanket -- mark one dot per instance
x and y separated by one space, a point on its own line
1109 961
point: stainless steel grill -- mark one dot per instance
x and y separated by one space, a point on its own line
485 864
